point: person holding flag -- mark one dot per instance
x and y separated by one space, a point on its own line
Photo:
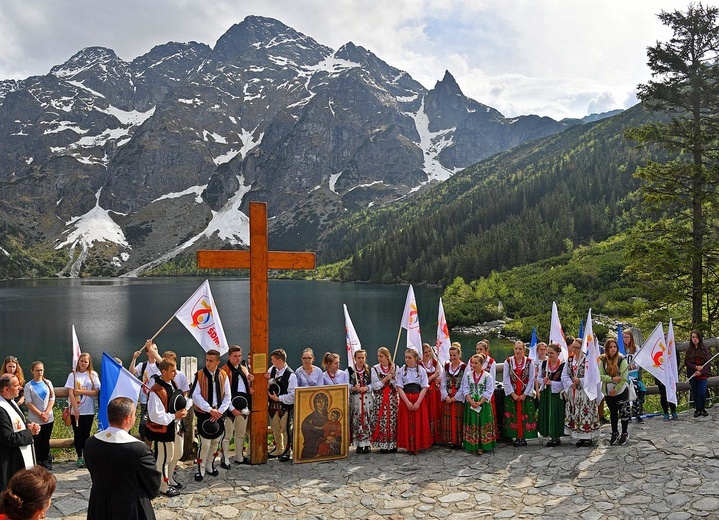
361 403
696 361
669 405
452 399
145 372
635 375
520 413
614 374
83 386
434 398
581 412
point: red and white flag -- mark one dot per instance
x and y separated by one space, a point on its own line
443 343
353 342
75 349
410 322
672 365
199 315
592 380
652 357
556 333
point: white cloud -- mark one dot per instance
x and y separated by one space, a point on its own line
554 57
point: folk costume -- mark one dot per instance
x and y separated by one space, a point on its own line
413 432
146 373
386 405
41 395
124 476
520 417
362 416
211 391
551 402
281 411
479 429
452 413
581 413
240 400
16 445
312 378
163 429
434 399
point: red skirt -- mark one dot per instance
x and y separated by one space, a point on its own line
413 427
434 409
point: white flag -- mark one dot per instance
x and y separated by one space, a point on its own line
443 343
199 315
591 368
410 322
672 365
652 357
353 342
75 349
556 333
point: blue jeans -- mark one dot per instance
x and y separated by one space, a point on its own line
699 390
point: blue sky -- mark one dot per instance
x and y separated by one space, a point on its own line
557 58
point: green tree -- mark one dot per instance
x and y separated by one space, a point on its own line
680 195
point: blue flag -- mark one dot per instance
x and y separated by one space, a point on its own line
620 341
581 328
116 382
533 344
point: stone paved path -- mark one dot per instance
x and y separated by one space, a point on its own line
667 470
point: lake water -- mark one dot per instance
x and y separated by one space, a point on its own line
117 315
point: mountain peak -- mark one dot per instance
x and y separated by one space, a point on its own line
448 85
86 58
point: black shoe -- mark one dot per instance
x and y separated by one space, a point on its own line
285 457
393 450
367 449
697 413
557 442
622 440
384 451
522 442
583 443
705 413
213 473
360 449
199 477
245 460
516 443
176 485
171 492
613 440
272 456
604 420
640 419
551 443
225 465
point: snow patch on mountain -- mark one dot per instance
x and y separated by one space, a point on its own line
432 143
81 85
196 190
128 117
94 226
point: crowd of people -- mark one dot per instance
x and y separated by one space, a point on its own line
392 407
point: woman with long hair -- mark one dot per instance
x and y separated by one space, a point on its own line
696 361
635 376
40 399
551 404
452 398
83 386
581 413
434 398
413 432
332 374
386 403
614 374
479 431
28 494
520 413
12 366
361 403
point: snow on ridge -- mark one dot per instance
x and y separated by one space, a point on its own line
225 157
94 226
364 185
196 190
407 99
128 117
248 141
80 84
62 126
215 137
332 65
432 143
333 181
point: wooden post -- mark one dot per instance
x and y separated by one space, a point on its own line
259 260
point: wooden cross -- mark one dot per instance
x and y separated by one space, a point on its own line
258 259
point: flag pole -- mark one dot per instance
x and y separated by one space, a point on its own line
162 328
705 364
396 345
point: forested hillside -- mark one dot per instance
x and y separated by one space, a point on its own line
533 202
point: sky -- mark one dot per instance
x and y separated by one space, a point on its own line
556 58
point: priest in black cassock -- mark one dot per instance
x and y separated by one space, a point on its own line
16 446
122 468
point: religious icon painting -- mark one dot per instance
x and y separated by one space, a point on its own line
321 423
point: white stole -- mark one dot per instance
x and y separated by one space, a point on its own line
18 425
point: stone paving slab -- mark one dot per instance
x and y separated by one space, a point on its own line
668 470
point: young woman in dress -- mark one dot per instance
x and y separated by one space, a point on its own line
696 361
490 365
332 374
452 398
40 399
635 375
413 418
386 403
614 374
551 405
308 374
361 403
581 413
83 386
520 415
434 398
480 433
12 366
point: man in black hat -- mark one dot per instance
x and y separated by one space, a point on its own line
165 408
211 398
240 406
281 395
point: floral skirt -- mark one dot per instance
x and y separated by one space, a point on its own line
480 432
520 418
